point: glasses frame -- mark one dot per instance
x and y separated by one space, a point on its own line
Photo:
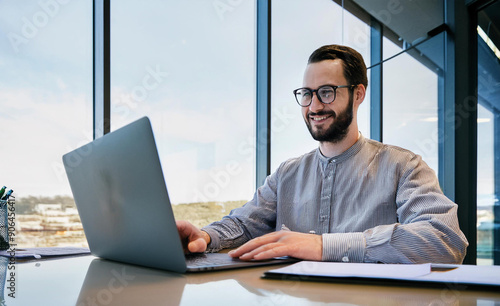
318 96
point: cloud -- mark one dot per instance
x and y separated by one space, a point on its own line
37 129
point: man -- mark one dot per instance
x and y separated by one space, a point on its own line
352 199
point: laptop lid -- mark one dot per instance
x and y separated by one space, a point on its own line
121 196
120 193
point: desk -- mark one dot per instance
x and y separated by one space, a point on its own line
93 281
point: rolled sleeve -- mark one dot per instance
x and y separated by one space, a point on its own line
345 247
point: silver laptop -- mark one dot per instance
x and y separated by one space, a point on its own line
120 193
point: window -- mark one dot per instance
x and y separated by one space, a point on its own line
293 40
410 103
190 67
488 143
46 102
485 188
197 85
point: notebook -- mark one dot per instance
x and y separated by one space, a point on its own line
121 196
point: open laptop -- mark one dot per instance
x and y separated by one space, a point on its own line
120 193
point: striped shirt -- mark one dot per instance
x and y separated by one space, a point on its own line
372 203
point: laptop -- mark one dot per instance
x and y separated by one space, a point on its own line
121 196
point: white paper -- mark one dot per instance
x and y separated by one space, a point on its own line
337 269
452 275
467 274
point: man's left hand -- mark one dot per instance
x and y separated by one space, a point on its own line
281 243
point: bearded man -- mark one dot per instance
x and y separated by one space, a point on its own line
351 200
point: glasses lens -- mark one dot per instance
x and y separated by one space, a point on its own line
303 96
327 94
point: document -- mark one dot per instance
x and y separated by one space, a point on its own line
364 270
467 276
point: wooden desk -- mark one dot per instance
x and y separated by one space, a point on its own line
91 281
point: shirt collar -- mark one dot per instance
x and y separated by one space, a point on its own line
353 150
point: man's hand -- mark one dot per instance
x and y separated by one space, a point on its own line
193 239
282 243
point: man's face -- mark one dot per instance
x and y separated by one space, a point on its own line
328 122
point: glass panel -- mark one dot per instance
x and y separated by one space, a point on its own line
190 67
410 108
289 134
407 22
488 140
46 103
485 188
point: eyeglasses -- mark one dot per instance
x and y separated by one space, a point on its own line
326 94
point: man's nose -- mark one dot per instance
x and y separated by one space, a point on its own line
316 105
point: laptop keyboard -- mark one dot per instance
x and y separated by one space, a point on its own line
210 259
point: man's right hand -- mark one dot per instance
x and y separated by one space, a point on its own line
193 239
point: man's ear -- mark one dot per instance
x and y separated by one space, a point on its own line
359 94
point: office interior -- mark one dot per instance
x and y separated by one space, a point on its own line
216 79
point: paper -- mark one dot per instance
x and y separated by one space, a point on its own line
467 274
453 276
364 270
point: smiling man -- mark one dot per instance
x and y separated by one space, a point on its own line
352 199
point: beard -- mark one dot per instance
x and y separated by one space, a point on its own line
337 131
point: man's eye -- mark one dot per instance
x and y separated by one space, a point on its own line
326 93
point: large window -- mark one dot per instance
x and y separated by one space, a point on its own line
293 40
46 111
410 101
488 141
190 67
485 187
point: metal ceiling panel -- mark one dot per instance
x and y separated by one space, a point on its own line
410 19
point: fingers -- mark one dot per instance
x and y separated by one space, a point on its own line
193 239
282 243
197 246
267 251
184 227
254 244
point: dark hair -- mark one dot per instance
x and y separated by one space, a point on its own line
352 61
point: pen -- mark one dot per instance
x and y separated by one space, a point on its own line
2 191
7 195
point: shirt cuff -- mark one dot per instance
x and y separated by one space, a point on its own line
214 245
344 247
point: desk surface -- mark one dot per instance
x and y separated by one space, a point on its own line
88 280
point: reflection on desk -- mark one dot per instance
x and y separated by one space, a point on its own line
92 281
